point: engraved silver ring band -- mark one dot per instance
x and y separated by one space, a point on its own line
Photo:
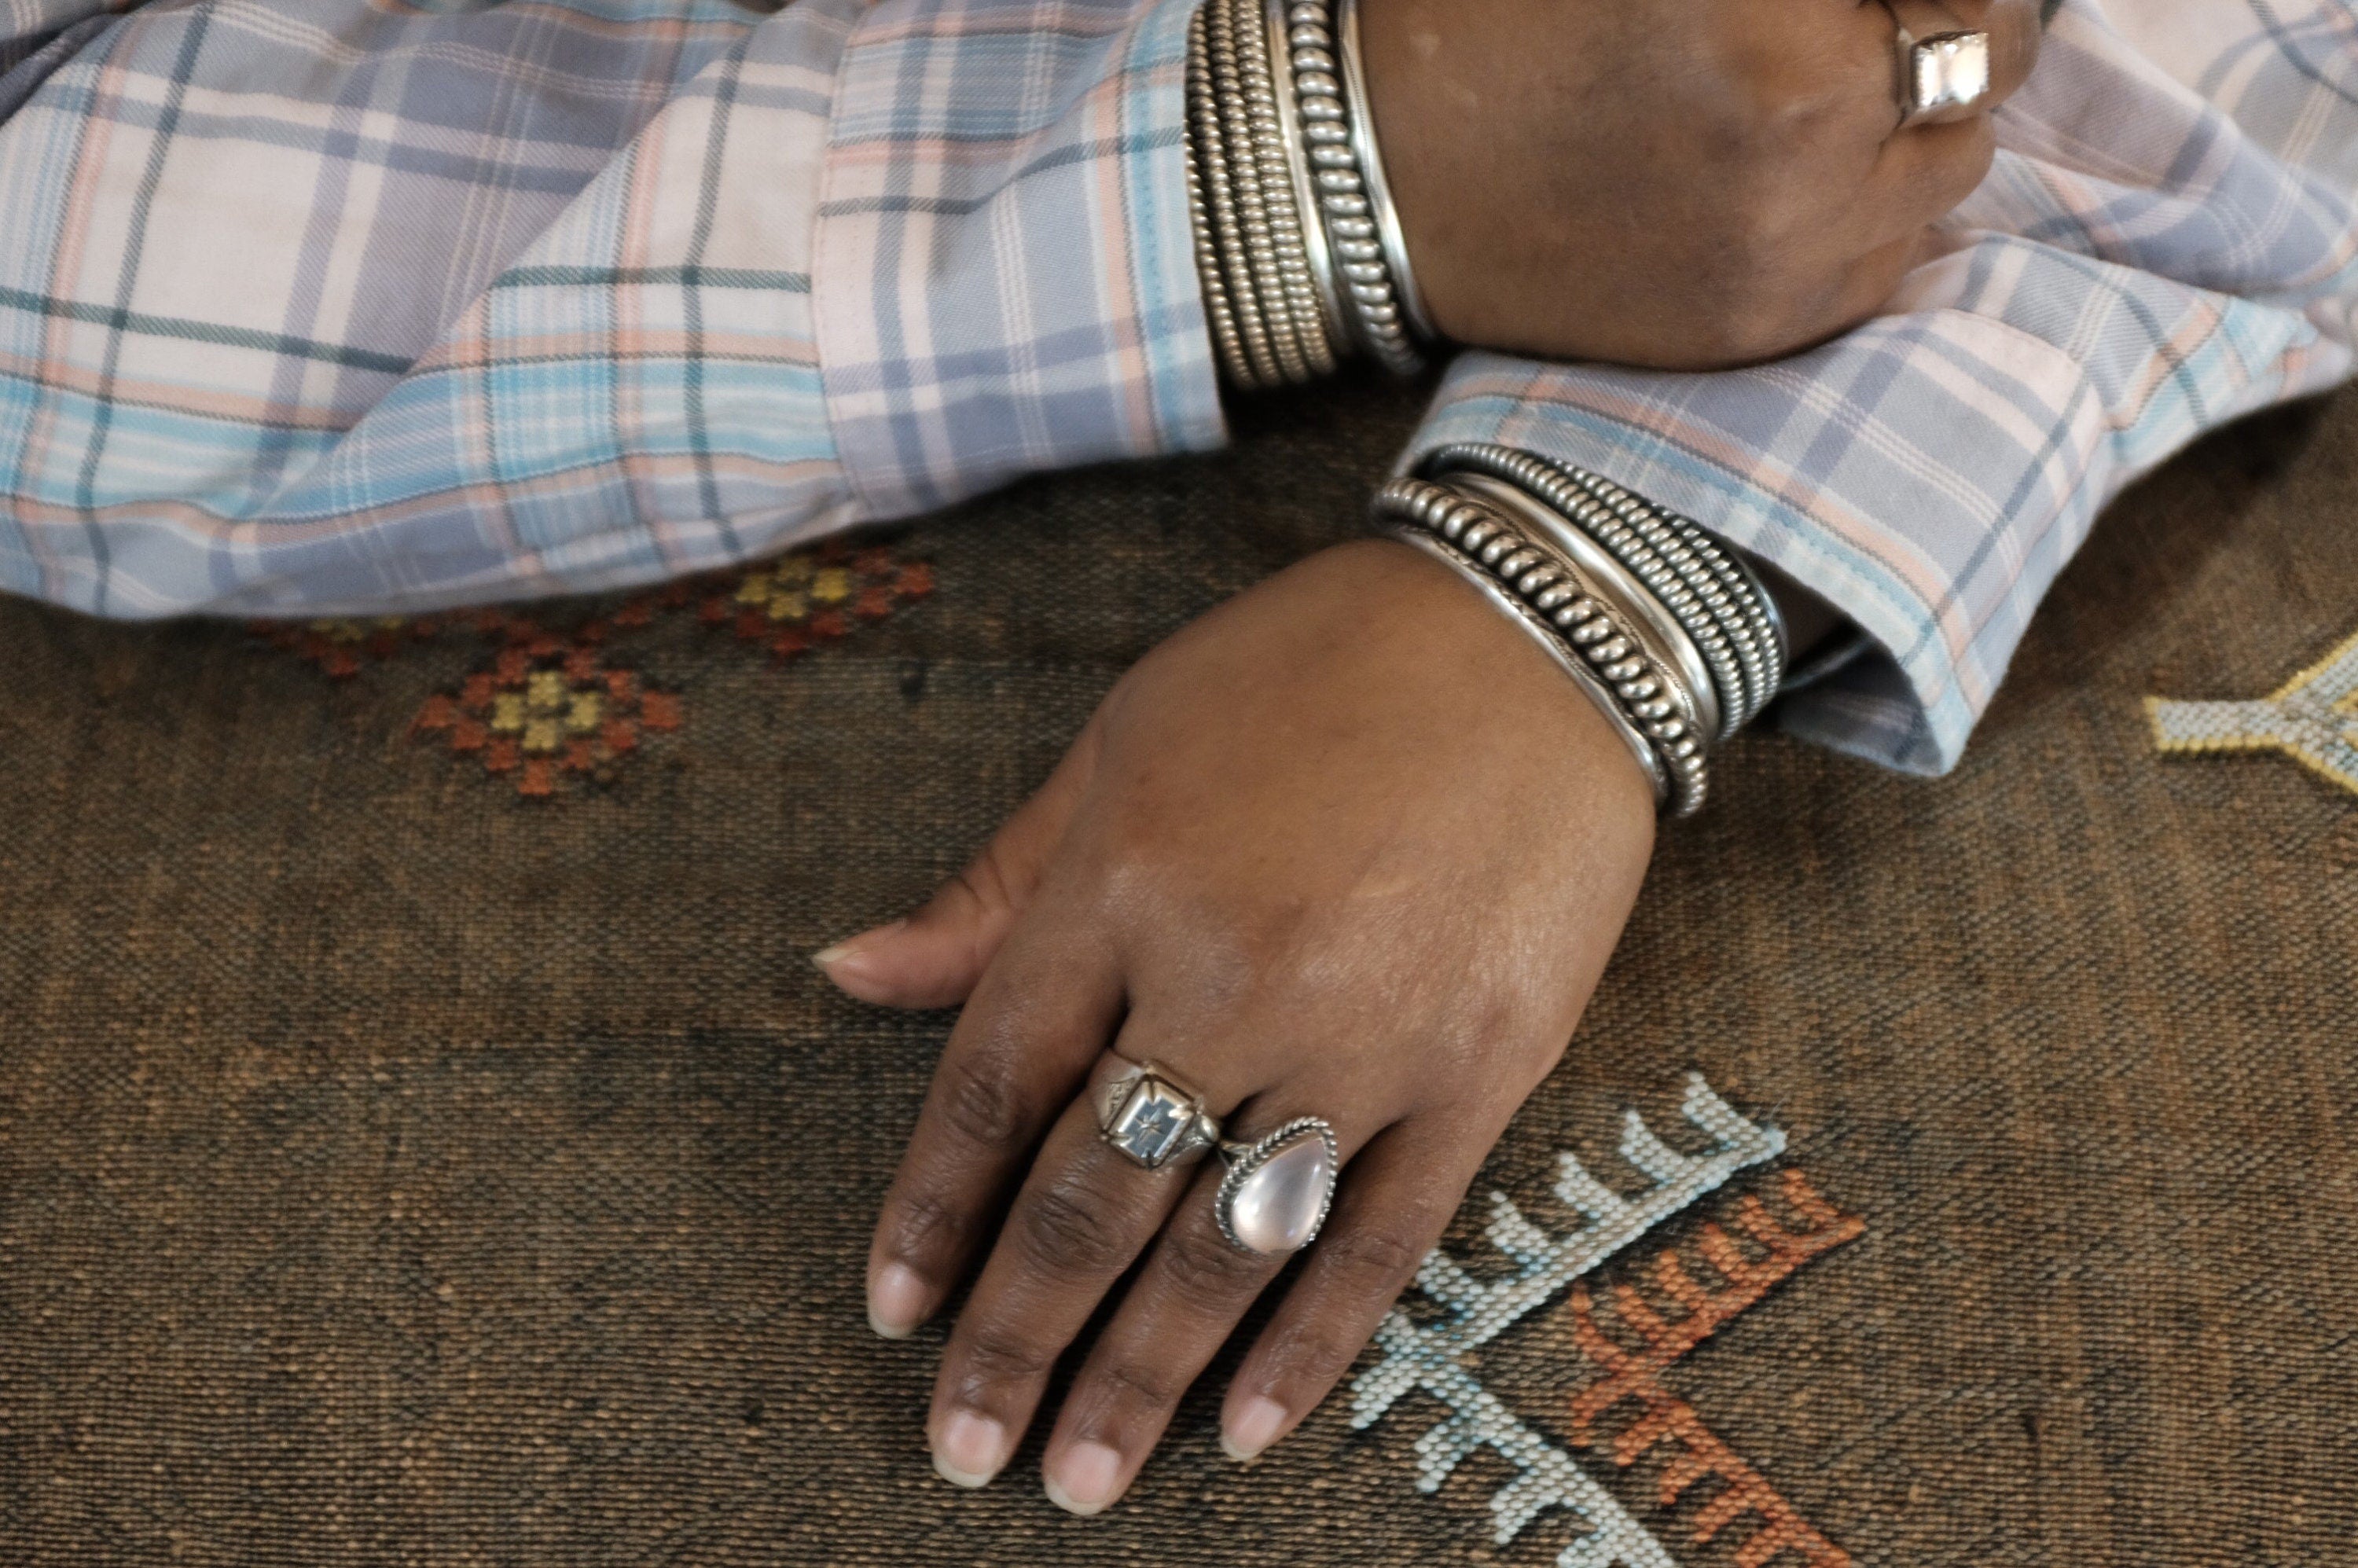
1944 65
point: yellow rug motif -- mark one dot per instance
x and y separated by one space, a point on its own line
2312 718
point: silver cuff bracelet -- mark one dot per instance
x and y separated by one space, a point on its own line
1297 244
1667 630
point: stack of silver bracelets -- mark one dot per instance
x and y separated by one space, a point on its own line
1664 628
1301 251
1303 262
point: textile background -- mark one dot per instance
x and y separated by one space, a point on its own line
398 1167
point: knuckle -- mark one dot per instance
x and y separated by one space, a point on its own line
1204 1271
1068 1229
1139 1382
979 1102
988 880
1315 1354
924 1222
1375 1261
994 1355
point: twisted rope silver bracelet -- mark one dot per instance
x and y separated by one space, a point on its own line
1715 599
1337 128
1590 632
1296 241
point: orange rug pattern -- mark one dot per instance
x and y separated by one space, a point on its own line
551 712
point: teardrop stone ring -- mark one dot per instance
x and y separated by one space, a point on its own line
1277 1191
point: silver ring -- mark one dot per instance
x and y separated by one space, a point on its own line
1944 66
1279 1188
1152 1117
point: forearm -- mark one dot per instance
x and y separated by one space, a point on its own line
716 282
1928 474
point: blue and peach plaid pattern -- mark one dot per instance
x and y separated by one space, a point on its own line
2170 239
336 306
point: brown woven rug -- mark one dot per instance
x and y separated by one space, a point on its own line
422 1140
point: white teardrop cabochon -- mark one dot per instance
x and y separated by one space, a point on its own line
1276 1208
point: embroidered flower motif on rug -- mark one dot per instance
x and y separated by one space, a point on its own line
551 707
337 646
548 707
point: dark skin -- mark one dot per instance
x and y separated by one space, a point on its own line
1351 845
1250 870
1678 183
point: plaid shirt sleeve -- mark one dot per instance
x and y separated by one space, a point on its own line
316 306
2170 239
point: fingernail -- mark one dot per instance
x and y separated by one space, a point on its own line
846 953
1256 1426
896 1302
972 1449
1084 1478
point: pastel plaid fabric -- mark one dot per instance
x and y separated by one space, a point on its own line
2170 239
317 306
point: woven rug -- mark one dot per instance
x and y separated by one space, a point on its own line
422 1139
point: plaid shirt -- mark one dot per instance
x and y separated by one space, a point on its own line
323 306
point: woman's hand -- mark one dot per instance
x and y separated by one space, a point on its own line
1348 847
1681 183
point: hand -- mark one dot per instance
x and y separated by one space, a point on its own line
1350 845
1678 183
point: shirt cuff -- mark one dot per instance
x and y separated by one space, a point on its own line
1785 462
1004 276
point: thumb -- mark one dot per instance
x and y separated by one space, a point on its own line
933 956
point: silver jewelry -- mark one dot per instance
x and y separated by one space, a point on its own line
1152 1117
1228 333
1279 1188
1944 65
1656 628
1228 281
1272 167
1371 166
1715 598
1326 283
1552 643
1297 242
1588 622
1355 205
1262 295
1234 51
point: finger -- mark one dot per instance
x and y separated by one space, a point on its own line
1922 175
935 957
2014 37
1402 1191
1085 1213
1018 1055
1196 1285
1859 294
1874 66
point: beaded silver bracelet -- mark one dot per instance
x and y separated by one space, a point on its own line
1592 632
1715 599
1346 170
1666 640
1296 241
1268 326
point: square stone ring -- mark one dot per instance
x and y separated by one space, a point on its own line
1944 66
1152 1117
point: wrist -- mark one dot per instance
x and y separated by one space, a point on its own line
1478 656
